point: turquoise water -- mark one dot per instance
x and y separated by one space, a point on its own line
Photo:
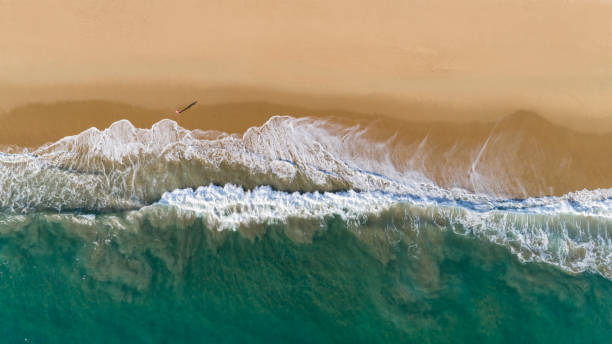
185 283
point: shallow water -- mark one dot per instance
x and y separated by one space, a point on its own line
166 235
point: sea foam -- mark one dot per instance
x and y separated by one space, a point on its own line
123 167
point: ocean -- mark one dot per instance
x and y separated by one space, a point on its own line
298 231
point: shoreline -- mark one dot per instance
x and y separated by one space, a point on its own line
520 155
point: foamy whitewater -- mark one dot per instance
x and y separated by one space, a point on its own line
293 169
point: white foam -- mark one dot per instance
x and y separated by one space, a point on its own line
125 167
230 207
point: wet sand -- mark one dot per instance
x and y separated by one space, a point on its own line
518 155
34 115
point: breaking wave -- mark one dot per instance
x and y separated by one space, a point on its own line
285 171
124 167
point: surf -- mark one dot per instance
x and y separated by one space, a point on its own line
293 169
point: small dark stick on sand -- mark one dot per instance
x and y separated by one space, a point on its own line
186 108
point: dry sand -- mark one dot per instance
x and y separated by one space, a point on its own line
550 56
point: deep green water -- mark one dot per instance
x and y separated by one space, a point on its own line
187 284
